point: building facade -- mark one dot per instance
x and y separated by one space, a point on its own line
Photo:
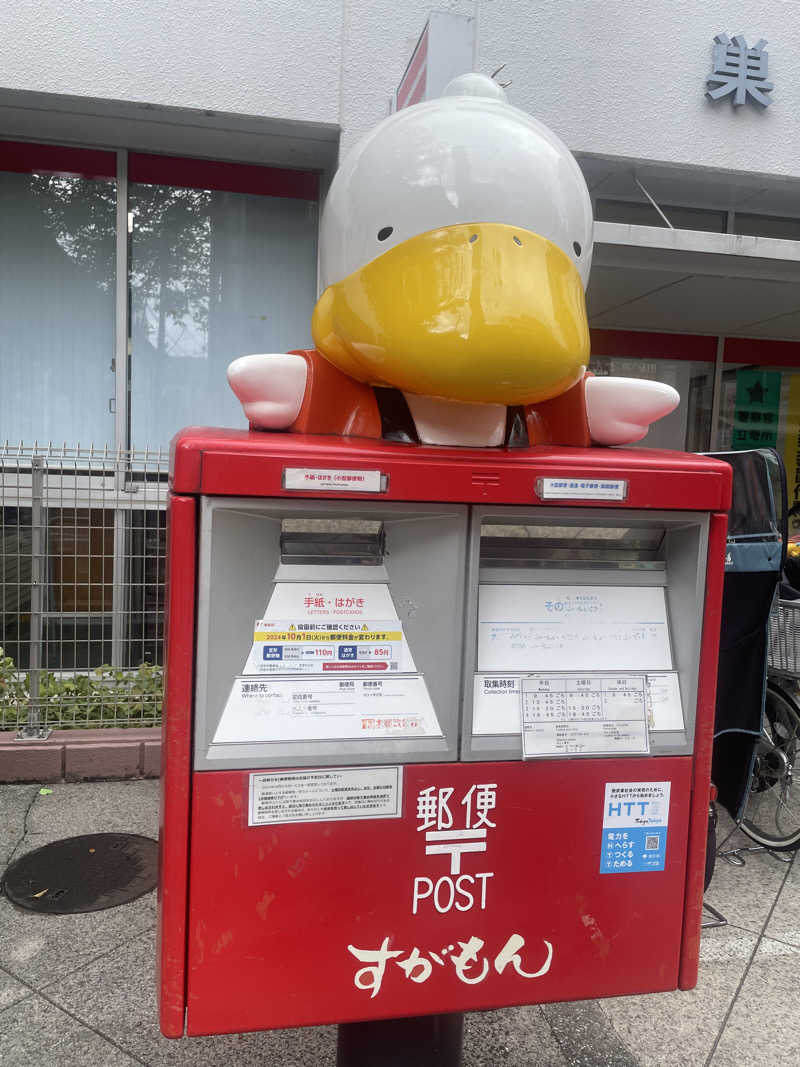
161 174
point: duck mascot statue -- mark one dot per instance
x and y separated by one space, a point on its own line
455 248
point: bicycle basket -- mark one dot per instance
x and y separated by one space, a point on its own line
784 637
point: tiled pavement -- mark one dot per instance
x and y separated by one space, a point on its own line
78 990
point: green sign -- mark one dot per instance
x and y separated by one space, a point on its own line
758 402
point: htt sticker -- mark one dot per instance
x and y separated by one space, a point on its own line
635 820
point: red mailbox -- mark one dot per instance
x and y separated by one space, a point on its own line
438 726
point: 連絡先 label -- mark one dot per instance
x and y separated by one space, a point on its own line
327 707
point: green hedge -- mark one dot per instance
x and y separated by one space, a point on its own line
103 696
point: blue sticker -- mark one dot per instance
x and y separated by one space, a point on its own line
637 849
635 820
273 652
348 652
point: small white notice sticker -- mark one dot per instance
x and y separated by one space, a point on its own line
325 794
581 488
583 715
326 480
664 706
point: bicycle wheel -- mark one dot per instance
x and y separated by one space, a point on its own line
711 846
772 817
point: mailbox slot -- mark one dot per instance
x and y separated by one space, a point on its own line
562 547
257 557
570 552
326 542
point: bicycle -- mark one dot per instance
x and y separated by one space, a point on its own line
772 814
757 723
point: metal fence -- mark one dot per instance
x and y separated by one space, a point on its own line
82 546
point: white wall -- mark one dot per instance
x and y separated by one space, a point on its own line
627 77
253 57
319 61
615 77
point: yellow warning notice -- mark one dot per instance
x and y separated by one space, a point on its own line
328 635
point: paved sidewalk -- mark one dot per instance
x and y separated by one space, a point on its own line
78 990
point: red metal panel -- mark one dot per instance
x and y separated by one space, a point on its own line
218 174
412 72
185 463
28 158
242 463
762 352
273 909
419 91
176 755
703 742
642 344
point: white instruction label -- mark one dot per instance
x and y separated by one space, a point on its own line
581 715
496 704
552 628
581 488
314 708
324 480
327 794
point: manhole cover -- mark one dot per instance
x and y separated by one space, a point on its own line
86 873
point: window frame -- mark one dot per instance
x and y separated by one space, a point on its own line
124 166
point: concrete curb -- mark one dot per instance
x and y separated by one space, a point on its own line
79 755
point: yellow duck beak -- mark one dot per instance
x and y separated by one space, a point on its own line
486 313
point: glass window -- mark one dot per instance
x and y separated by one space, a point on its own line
77 623
767 226
760 408
145 558
636 213
78 589
688 427
215 274
15 583
79 597
57 221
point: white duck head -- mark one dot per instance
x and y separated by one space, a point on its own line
455 248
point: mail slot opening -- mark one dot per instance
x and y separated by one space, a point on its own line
563 547
354 542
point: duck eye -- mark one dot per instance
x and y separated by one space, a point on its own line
577 248
387 231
